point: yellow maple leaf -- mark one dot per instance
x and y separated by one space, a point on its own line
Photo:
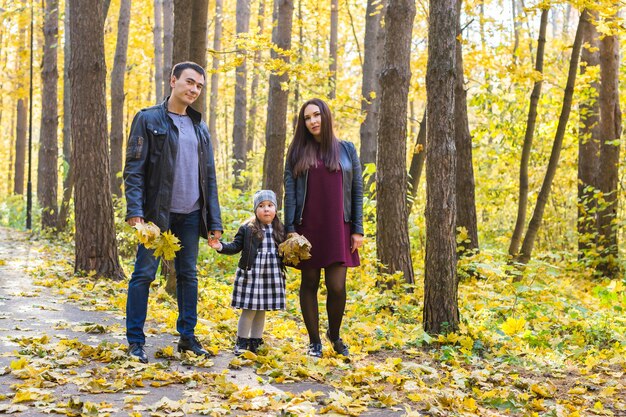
166 246
513 326
19 364
147 234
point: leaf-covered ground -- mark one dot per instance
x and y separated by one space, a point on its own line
551 344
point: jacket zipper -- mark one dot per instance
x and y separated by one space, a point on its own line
306 183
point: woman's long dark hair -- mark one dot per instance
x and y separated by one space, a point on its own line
258 230
304 150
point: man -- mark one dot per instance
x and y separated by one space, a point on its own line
170 180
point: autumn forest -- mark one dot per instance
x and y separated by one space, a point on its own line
493 271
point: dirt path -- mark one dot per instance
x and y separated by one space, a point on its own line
56 356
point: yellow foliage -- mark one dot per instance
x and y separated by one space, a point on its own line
513 326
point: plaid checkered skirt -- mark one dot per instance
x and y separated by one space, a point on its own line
263 286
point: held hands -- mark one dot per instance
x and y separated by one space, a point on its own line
214 239
356 241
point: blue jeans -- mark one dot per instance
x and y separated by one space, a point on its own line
185 227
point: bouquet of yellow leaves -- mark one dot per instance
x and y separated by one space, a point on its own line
295 249
165 244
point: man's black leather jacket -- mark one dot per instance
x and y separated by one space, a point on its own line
149 170
295 191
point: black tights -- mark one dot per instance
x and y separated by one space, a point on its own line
335 279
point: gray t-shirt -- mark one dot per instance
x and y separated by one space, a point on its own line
186 188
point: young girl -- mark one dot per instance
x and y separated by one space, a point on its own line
260 279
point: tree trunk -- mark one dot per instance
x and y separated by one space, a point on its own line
168 44
182 30
241 98
254 87
588 145
610 134
197 44
276 125
522 204
417 162
47 172
157 33
95 245
465 187
117 97
544 193
332 50
516 30
392 230
441 313
20 146
217 45
68 181
370 88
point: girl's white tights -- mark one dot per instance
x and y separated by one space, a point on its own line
251 324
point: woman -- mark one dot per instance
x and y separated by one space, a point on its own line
324 202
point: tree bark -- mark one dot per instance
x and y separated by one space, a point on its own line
182 30
68 182
117 97
522 204
254 87
535 222
370 88
610 134
20 146
241 98
95 245
392 230
157 33
441 313
198 43
168 44
215 79
47 172
417 162
465 186
276 124
332 50
588 146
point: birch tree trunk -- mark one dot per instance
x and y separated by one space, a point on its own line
392 230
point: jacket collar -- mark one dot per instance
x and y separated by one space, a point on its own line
195 115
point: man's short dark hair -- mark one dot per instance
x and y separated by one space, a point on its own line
181 66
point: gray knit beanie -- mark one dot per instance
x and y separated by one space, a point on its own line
264 195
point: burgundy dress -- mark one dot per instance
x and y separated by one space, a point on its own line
323 223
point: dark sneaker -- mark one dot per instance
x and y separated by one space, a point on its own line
242 345
192 345
338 345
136 351
255 344
315 350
